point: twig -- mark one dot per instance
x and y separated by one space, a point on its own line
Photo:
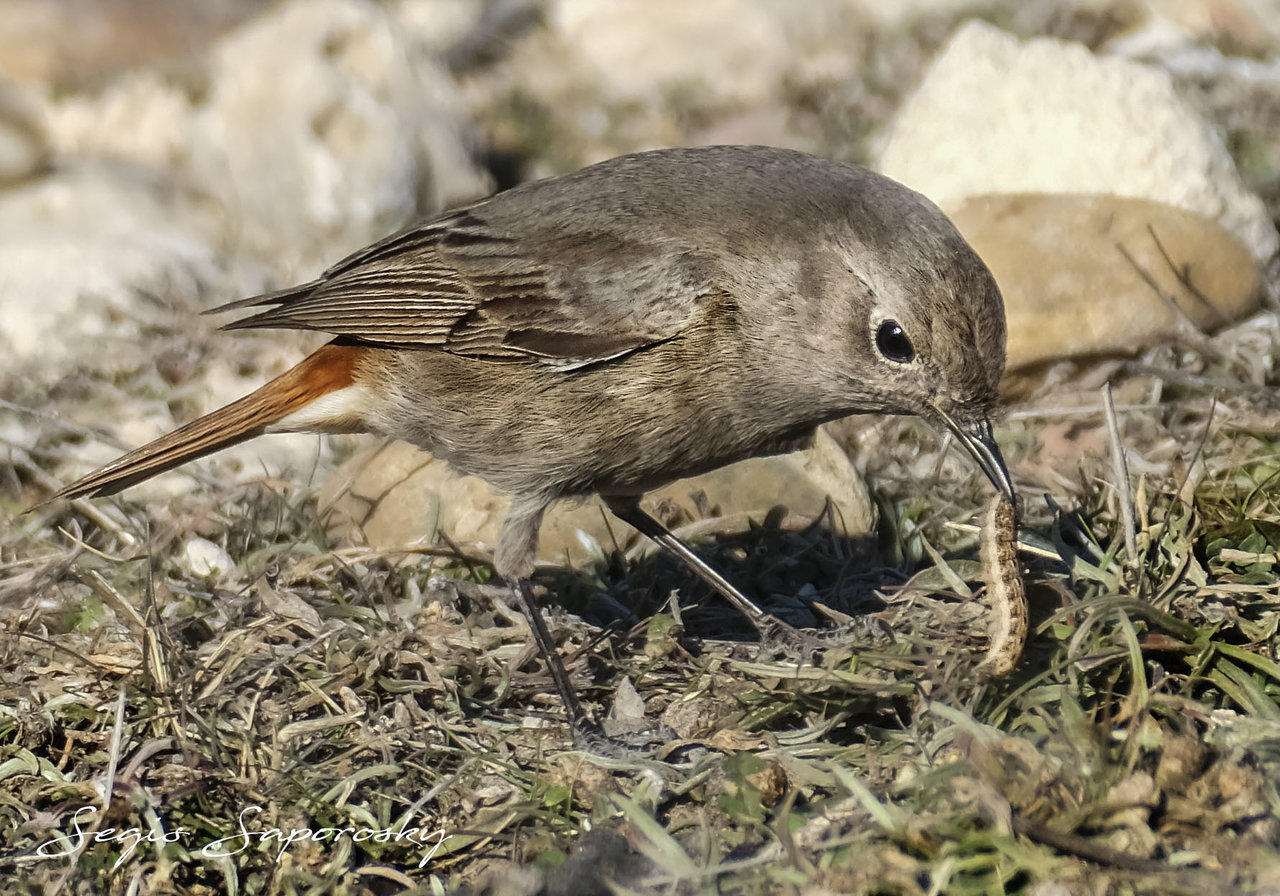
1183 274
1184 326
1187 487
113 761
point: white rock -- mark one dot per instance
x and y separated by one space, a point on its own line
439 24
204 559
998 115
322 129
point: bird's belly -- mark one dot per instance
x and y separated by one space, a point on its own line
527 430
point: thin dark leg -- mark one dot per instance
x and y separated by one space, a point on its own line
559 675
628 510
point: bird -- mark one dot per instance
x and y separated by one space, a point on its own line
643 319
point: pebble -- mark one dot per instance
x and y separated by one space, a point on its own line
204 559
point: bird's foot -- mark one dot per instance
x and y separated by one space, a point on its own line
785 641
625 746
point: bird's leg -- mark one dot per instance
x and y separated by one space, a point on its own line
769 626
547 648
586 735
517 545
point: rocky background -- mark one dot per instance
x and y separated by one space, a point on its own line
1116 163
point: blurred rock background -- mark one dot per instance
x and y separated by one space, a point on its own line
1117 163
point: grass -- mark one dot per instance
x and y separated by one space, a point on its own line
296 689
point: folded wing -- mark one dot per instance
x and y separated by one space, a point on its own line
461 284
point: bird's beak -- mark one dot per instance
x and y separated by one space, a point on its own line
976 437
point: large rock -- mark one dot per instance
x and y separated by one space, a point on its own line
394 496
324 129
999 115
690 47
1101 275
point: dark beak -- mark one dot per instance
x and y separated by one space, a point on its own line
976 437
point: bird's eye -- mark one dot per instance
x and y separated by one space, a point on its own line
893 343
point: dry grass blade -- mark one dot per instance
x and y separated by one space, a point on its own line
1120 468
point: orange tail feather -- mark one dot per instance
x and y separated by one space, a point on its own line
330 368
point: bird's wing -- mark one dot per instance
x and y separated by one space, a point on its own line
461 284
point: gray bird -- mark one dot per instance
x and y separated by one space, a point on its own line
641 320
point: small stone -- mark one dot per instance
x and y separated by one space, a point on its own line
1181 761
626 716
1050 888
205 560
287 605
694 717
1139 789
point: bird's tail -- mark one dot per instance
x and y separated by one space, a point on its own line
329 370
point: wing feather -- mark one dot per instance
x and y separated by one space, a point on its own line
459 284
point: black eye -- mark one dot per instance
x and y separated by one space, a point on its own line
893 343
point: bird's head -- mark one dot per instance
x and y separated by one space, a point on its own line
927 322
